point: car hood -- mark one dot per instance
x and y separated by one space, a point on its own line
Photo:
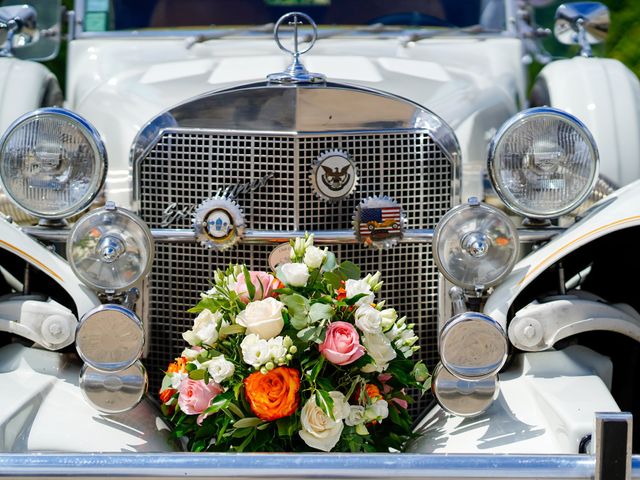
121 84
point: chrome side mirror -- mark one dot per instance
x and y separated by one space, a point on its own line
18 24
582 23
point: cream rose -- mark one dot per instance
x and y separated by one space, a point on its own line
379 348
219 368
293 274
356 287
255 350
205 328
319 431
264 318
314 256
356 415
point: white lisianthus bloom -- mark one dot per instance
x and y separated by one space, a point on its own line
377 411
356 287
255 350
205 328
379 348
263 318
277 350
389 317
368 319
340 405
190 354
293 274
177 378
314 256
356 415
219 368
319 431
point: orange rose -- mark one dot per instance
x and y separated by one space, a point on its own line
166 394
179 366
274 394
373 392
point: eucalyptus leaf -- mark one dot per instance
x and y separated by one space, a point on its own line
332 279
320 311
350 270
307 334
197 374
329 262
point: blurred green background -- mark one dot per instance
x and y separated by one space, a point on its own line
623 42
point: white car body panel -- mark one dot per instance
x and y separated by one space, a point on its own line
605 95
474 85
546 404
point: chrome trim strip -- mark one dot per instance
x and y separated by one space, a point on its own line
266 237
301 466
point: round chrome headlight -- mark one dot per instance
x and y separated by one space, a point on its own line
465 398
52 163
114 392
110 248
110 338
475 245
543 163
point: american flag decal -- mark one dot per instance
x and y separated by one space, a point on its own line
380 221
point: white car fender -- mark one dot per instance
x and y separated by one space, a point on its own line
23 88
14 240
605 95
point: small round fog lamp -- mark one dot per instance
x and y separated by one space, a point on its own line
465 398
52 163
473 346
475 245
543 163
110 248
114 392
110 338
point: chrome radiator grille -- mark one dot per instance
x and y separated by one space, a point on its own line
186 168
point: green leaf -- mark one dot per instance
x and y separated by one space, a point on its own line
248 422
298 308
251 289
287 426
332 279
350 270
325 402
232 329
241 432
320 311
354 299
307 334
190 367
236 410
316 369
219 402
197 374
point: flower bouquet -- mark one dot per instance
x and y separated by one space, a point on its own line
304 360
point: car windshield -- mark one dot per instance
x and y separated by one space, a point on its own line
109 15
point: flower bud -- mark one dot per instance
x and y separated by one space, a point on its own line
289 357
293 349
287 342
269 366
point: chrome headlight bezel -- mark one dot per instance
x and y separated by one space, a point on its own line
503 133
97 147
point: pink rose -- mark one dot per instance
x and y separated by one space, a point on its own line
341 345
195 395
263 282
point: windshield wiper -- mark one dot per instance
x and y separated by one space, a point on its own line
205 37
416 36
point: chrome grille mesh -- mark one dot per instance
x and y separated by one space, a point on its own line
186 168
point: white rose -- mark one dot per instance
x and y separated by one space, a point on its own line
293 274
263 317
340 405
356 415
368 319
277 350
378 411
219 368
356 287
379 348
314 256
255 350
205 328
319 431
176 379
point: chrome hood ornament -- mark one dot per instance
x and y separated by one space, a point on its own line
296 72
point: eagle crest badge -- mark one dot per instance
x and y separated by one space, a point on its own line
334 175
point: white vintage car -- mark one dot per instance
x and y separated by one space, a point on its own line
231 126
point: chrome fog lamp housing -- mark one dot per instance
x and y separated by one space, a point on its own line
110 338
543 163
53 163
475 245
114 392
110 249
473 346
465 398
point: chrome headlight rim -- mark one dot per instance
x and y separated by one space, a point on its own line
98 147
516 121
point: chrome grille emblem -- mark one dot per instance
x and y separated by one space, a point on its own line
296 72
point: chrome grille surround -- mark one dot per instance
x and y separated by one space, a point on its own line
240 135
